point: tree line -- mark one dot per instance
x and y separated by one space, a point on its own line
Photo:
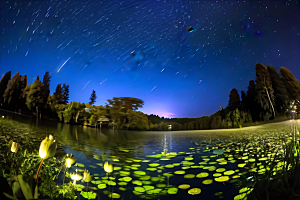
35 98
270 94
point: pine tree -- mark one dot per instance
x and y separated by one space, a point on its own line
93 98
21 103
244 99
234 99
65 95
12 92
46 83
35 96
280 91
265 93
3 85
291 83
251 103
58 94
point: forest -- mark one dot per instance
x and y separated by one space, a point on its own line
270 96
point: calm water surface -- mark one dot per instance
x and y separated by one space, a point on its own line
92 147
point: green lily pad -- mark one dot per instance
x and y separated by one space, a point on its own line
202 175
189 176
80 164
140 172
102 186
114 196
139 189
172 190
88 195
184 186
179 172
207 182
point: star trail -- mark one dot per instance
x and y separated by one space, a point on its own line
182 57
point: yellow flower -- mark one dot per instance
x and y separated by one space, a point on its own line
14 147
87 176
47 147
70 160
108 167
75 177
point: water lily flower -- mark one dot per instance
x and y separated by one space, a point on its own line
108 167
47 150
14 147
75 177
87 176
47 147
70 160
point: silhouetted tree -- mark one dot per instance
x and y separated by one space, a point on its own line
251 103
93 98
244 99
265 92
12 92
280 91
291 83
234 99
46 89
65 91
22 100
58 94
35 96
3 85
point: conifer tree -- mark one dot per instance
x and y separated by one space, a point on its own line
58 94
12 92
21 103
65 95
35 96
280 91
3 85
234 99
291 83
265 93
93 98
46 83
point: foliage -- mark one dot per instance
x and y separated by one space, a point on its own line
93 98
291 83
3 85
264 92
65 94
280 91
58 94
19 168
234 99
12 92
35 97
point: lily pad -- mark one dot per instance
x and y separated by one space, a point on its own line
184 186
88 195
102 186
179 172
114 196
202 175
172 190
207 182
189 176
194 191
222 179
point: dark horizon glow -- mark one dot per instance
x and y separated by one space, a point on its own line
144 49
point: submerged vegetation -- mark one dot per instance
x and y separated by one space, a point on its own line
253 164
270 97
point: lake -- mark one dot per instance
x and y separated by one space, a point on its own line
177 156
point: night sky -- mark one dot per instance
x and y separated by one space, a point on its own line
182 57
